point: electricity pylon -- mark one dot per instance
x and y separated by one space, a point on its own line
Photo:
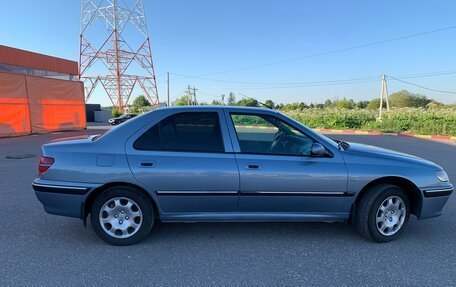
384 95
114 33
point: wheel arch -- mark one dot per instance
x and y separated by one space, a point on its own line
412 191
94 193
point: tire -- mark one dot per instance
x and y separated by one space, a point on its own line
383 213
122 216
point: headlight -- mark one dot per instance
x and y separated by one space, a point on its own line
442 175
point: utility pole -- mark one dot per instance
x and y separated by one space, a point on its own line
384 95
189 95
169 104
194 96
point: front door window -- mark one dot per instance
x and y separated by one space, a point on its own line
264 134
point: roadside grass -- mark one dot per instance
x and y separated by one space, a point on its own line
411 120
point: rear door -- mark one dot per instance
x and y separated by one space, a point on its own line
187 160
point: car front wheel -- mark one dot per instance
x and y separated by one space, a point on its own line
382 213
122 216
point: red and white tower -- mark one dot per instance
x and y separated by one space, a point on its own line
115 50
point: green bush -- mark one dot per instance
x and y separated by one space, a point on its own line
437 121
115 113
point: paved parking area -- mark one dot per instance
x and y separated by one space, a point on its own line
39 249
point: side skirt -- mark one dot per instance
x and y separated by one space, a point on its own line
254 217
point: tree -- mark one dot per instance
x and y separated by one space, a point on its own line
115 113
328 103
344 104
270 104
249 102
434 104
291 107
404 98
375 104
216 103
363 104
231 99
139 104
303 106
141 101
182 101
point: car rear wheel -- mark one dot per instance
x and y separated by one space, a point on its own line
122 216
383 213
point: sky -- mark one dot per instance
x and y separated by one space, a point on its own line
268 49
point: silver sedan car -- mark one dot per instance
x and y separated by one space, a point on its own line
232 164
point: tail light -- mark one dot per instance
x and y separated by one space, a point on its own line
45 164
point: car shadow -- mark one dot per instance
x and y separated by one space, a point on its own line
206 235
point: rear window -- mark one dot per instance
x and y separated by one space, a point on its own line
192 132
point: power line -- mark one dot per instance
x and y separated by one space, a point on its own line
270 83
208 94
423 87
334 51
343 82
324 83
311 85
425 75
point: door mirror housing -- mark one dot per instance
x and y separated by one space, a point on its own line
318 150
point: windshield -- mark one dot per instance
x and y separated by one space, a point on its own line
323 137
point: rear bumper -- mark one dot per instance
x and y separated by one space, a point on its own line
62 198
434 201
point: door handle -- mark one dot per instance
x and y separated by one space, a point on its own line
146 164
252 166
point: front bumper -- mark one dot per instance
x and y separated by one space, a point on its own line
62 198
434 201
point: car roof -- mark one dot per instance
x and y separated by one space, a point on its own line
231 108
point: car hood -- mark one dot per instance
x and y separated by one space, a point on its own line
376 152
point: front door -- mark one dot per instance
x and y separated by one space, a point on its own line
278 172
184 160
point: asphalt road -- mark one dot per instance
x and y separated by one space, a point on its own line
40 249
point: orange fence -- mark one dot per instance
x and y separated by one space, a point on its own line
39 105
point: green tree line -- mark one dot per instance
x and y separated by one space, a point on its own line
401 99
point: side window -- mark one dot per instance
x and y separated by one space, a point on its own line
194 131
263 134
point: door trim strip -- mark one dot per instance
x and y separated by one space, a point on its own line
253 193
193 193
299 193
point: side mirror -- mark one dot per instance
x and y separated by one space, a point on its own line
318 150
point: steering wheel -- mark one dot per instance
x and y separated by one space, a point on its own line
279 136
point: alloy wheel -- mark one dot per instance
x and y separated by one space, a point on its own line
120 217
391 215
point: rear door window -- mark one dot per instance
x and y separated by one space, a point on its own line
190 132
